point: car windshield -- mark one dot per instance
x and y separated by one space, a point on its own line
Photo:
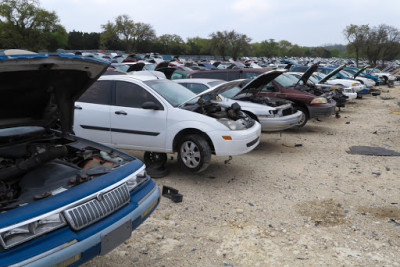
214 83
286 80
174 93
319 75
351 71
230 89
346 74
123 68
149 66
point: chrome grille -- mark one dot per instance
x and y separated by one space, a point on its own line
97 208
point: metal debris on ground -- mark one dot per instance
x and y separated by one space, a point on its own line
372 151
172 194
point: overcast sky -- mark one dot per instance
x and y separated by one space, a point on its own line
302 22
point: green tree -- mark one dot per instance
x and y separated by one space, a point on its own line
375 44
198 46
23 24
83 40
284 47
126 34
219 44
171 44
232 42
109 38
239 44
357 38
391 46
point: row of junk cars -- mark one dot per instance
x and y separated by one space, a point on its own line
67 194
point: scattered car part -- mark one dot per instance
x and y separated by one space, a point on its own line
172 194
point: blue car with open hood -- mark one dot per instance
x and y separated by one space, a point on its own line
63 199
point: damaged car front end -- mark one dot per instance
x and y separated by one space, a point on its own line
63 199
274 114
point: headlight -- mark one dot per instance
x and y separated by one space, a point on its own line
135 180
319 100
24 232
355 84
233 125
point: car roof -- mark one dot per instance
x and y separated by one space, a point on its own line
197 80
133 77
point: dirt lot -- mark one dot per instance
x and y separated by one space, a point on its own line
298 199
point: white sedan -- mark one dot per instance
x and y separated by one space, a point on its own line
158 115
273 114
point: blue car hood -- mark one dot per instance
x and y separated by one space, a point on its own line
40 89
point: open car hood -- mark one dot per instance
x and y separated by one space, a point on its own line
307 74
359 72
40 89
252 86
255 85
136 67
330 74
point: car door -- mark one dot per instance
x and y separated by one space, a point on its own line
92 113
133 126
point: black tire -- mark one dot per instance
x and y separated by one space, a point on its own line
304 117
154 160
194 153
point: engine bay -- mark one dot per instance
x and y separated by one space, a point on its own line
36 163
208 108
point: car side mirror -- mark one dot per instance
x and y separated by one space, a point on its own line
150 105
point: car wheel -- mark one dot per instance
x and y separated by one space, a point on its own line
303 119
194 153
154 160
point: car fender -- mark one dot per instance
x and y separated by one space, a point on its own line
179 120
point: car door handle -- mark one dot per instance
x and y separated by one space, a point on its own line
121 112
78 107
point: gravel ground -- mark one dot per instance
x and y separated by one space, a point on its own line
298 199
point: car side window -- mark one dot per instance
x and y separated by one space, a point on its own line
132 95
233 76
98 93
210 74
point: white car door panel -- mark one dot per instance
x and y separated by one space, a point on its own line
92 112
133 126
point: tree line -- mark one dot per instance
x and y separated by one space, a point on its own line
23 24
373 43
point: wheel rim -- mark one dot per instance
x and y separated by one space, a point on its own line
190 154
155 158
302 118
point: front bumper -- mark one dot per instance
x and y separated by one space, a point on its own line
76 250
280 123
322 110
242 141
350 95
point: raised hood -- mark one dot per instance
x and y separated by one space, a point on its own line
253 86
40 89
306 75
330 74
359 71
